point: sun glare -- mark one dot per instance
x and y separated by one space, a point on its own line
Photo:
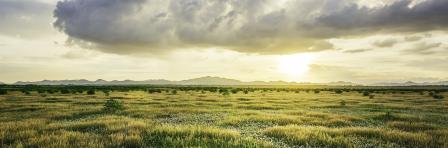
295 65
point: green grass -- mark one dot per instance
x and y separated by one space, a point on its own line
210 119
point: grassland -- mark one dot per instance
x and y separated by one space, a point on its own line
202 118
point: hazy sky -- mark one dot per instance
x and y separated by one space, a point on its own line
363 41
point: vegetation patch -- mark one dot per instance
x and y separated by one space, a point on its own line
196 136
410 126
233 116
317 136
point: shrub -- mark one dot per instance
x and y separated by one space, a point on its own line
112 105
26 92
91 92
365 93
338 91
50 91
154 91
226 93
3 92
245 92
106 92
234 91
40 91
222 90
65 91
438 96
174 92
342 103
316 91
371 96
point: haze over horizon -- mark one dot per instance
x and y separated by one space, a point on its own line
319 41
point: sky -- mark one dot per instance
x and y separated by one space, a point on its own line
361 41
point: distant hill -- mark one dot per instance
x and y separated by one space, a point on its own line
410 83
208 80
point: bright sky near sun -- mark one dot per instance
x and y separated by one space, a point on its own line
292 40
295 66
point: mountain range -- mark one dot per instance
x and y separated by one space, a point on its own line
410 83
208 80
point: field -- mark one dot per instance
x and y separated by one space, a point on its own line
176 116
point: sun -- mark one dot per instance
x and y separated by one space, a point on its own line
295 65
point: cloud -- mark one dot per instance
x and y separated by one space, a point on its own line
397 16
251 26
25 18
385 43
356 50
412 38
424 48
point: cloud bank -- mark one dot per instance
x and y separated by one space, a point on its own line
24 18
249 26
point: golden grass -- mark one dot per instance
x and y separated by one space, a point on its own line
196 119
318 136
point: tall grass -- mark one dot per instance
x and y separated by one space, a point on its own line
262 117
317 136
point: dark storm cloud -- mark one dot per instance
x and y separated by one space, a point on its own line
399 15
254 26
24 18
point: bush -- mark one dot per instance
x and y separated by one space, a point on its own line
421 93
3 92
366 93
112 105
65 91
371 96
342 103
338 91
226 93
438 96
151 91
316 91
40 91
106 92
174 92
91 92
26 92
